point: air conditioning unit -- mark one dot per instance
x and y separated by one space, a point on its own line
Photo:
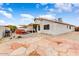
60 20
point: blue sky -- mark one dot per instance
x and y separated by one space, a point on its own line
24 13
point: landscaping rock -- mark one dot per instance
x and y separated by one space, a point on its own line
19 52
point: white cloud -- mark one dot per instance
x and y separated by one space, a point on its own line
27 16
1 6
64 6
76 4
48 16
27 20
8 24
6 14
77 11
60 7
7 3
43 4
37 5
51 10
10 9
46 8
2 21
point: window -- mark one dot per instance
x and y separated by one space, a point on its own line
46 27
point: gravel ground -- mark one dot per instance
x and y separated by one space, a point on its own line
71 35
41 45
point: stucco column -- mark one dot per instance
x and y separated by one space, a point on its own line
37 28
32 28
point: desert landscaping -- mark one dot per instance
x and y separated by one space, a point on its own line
39 29
35 44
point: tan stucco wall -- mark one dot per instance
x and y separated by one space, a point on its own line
55 28
60 28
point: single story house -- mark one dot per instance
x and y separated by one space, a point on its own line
7 27
2 31
53 27
7 32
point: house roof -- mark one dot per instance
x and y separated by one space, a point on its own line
53 21
29 25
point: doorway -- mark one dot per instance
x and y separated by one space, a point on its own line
36 27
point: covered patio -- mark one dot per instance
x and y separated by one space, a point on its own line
34 27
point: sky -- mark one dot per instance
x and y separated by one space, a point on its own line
24 13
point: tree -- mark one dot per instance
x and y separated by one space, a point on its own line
12 28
